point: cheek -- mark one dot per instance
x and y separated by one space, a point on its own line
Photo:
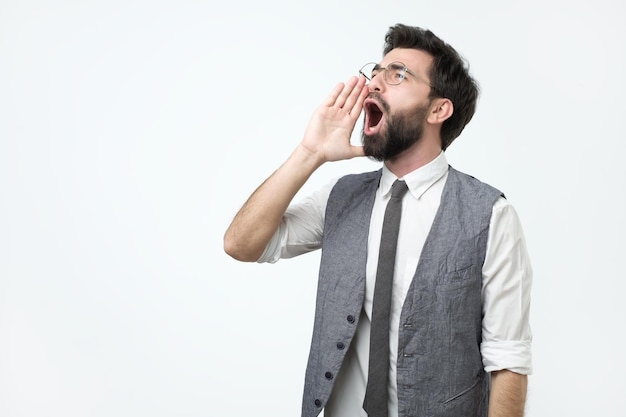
408 102
413 110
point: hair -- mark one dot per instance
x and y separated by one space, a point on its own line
449 75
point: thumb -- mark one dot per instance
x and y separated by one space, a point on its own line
357 151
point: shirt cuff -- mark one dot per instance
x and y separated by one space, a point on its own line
514 356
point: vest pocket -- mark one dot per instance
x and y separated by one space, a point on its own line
458 278
464 392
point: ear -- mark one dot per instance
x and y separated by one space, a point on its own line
440 110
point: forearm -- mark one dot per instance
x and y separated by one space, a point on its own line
327 138
260 216
508 394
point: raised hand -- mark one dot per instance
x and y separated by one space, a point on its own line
327 138
330 128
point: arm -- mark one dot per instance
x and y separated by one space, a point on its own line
327 138
508 394
507 280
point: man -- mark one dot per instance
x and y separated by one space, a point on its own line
456 336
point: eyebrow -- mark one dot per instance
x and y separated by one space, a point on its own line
377 67
416 75
403 66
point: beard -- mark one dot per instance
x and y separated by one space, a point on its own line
401 131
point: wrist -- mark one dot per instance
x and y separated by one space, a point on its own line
306 158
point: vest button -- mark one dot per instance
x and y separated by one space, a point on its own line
328 375
340 346
318 403
350 318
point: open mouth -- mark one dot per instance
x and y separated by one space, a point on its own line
373 117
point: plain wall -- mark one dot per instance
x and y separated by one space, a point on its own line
132 131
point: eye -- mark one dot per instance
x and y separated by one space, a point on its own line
396 75
397 72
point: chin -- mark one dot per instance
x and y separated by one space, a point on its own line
374 146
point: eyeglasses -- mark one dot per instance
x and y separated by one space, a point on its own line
393 74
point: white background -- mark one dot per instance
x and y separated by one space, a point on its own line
132 131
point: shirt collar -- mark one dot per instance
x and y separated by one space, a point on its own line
418 181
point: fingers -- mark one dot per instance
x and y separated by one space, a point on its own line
346 92
332 97
357 98
348 95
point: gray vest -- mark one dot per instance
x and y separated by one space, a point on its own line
439 369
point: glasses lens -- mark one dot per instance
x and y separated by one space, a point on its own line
368 70
395 73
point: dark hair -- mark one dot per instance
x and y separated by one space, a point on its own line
449 75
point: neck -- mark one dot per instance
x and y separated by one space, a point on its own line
413 158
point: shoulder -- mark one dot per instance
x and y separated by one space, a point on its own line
360 178
351 183
472 184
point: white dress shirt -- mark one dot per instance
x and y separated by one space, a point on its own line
507 278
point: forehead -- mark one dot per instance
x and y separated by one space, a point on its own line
417 61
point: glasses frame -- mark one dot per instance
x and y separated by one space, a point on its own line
385 72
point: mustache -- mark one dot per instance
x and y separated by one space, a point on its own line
379 100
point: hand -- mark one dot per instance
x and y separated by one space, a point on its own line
330 128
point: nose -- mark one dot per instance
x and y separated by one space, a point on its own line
376 84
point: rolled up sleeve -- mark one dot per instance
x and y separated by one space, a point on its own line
507 281
301 228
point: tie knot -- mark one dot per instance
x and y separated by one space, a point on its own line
398 189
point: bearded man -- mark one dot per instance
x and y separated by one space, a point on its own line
424 283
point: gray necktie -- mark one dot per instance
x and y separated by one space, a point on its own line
376 394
